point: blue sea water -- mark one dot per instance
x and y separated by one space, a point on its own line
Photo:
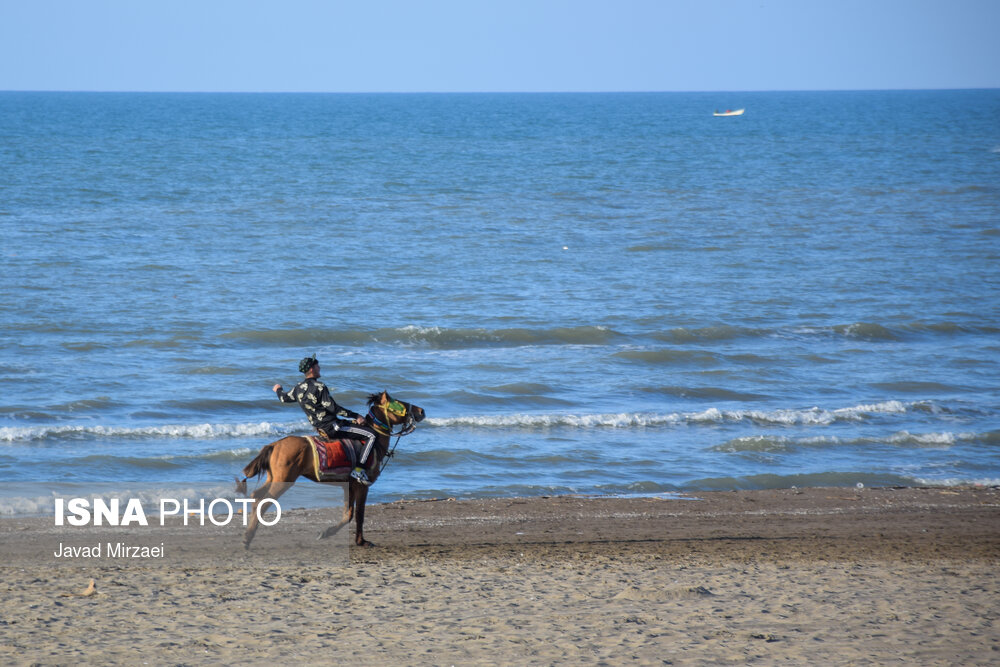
594 293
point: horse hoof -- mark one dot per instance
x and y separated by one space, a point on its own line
329 531
366 544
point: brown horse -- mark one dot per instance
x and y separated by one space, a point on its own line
287 459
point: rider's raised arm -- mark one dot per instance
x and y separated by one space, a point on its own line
283 396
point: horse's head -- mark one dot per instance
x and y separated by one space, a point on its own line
387 412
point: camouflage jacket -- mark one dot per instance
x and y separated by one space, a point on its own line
314 397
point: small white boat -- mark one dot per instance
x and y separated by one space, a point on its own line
729 112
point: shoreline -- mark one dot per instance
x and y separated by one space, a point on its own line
699 515
814 575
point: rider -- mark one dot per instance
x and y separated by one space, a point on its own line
328 418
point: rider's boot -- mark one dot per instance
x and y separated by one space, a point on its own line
361 476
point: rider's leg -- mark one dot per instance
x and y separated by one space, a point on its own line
366 440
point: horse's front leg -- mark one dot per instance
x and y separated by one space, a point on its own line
359 515
345 518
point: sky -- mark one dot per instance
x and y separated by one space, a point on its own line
497 45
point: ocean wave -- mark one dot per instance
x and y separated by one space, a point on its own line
509 458
807 416
186 431
536 421
299 337
705 393
847 480
84 405
219 405
433 337
777 443
720 334
37 499
866 331
165 461
957 481
669 357
522 389
472 398
207 431
873 331
710 334
916 387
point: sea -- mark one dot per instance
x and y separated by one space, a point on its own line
594 294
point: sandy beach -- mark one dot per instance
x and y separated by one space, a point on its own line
827 576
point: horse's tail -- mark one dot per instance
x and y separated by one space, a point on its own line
260 465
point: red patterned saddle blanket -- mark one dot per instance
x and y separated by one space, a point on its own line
331 458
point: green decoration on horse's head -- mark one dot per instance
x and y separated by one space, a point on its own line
396 408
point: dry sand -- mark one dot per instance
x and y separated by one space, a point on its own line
803 577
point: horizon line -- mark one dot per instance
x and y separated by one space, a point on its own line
485 92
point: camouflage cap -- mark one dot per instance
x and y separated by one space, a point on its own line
307 363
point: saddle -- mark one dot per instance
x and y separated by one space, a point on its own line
333 459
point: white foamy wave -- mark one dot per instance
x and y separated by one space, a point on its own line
779 443
883 407
191 431
42 503
783 417
234 454
929 439
772 444
27 506
957 481
415 331
610 420
789 417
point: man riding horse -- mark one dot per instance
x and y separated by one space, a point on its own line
330 420
291 457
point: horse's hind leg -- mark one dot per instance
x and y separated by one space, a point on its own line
252 520
287 459
272 489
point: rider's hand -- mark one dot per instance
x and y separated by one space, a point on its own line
276 388
359 420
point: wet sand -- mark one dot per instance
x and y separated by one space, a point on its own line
809 576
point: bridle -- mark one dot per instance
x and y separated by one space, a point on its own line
385 427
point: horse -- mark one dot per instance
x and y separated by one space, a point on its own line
287 459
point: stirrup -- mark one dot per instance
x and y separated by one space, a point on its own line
361 476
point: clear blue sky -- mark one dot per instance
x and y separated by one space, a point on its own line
498 45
